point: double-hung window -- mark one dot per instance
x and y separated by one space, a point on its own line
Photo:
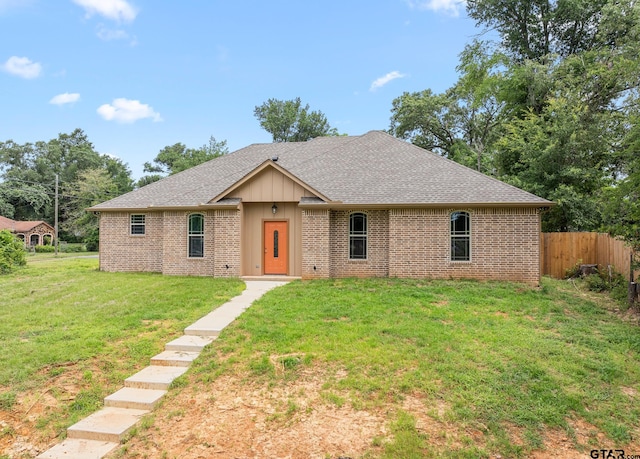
196 236
460 236
358 236
138 224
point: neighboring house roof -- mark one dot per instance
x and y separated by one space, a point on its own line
20 227
371 169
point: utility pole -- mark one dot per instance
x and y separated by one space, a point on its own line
56 219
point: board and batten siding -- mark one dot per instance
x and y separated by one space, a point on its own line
258 195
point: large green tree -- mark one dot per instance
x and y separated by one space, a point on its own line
547 107
91 187
27 178
462 123
177 158
290 121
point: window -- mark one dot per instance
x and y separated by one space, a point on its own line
196 236
275 244
358 236
138 224
460 236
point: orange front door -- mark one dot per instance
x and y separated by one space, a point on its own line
276 245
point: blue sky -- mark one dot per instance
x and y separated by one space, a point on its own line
137 75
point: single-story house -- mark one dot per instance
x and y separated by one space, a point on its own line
369 205
31 232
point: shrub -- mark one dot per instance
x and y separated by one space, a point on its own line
45 249
73 248
12 252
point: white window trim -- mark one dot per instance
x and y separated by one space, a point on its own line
143 225
451 236
366 237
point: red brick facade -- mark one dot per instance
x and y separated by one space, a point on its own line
400 243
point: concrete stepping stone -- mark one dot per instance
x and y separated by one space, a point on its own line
155 377
174 358
189 343
76 448
132 398
109 424
204 328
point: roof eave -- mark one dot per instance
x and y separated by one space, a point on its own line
439 205
203 206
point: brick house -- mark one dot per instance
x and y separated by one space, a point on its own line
369 205
32 233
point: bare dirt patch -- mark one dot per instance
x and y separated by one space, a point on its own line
239 419
299 419
31 425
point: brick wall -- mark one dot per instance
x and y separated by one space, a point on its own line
377 262
315 244
227 243
176 259
120 251
505 245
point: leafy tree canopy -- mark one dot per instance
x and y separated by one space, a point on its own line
290 121
27 178
550 107
177 158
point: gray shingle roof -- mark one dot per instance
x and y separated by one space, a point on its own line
374 168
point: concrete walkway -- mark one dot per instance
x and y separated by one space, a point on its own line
100 433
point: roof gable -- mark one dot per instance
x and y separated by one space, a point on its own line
269 182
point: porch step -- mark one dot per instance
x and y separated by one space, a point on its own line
271 278
154 377
174 358
132 398
189 343
76 448
109 424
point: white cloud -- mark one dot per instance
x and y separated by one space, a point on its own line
22 67
451 7
117 10
127 111
65 98
380 82
107 34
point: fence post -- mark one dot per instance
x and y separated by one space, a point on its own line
631 292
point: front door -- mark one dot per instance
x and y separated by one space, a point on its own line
276 245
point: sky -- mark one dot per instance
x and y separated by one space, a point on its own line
138 75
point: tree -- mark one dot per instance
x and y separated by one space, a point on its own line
289 121
12 252
547 108
28 176
622 199
177 158
461 124
540 29
92 187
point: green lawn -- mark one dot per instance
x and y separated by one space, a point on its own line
63 315
497 355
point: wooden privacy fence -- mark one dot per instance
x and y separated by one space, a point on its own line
561 251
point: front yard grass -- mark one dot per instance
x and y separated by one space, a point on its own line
498 366
509 361
70 334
